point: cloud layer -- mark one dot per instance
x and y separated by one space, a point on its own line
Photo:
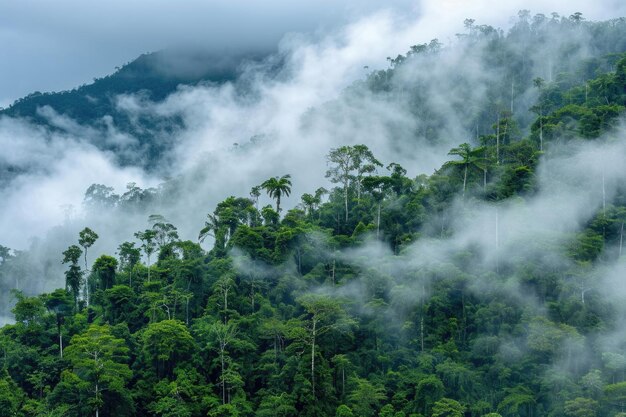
54 46
286 124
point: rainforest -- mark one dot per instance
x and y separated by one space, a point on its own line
310 231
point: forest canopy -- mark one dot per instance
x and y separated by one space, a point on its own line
492 287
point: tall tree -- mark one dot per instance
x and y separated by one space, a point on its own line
86 238
104 271
364 164
165 232
148 244
349 165
129 256
99 359
538 109
60 304
340 172
223 334
470 159
277 187
255 193
378 187
322 315
74 275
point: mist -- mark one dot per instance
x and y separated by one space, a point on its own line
517 267
286 123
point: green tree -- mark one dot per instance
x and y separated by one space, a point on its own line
255 193
103 271
344 411
99 360
378 187
340 172
223 335
616 395
74 275
11 397
281 405
165 232
225 220
322 314
581 407
277 187
148 244
129 256
519 401
27 310
365 397
120 305
165 344
429 390
539 83
349 165
364 164
447 407
309 202
60 303
470 159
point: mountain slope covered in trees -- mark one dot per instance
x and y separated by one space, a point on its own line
152 76
493 287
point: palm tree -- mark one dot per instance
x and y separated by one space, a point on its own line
211 227
470 158
277 187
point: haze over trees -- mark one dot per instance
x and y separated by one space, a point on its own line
493 287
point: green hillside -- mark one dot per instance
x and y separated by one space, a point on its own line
385 295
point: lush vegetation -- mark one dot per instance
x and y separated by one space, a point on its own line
326 309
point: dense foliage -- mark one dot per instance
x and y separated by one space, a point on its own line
327 309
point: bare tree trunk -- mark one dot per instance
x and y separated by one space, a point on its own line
222 377
422 331
299 256
252 293
484 179
86 280
345 197
603 193
498 140
464 180
541 130
60 339
378 223
512 95
313 358
497 243
621 239
225 305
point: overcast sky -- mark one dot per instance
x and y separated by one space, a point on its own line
54 45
